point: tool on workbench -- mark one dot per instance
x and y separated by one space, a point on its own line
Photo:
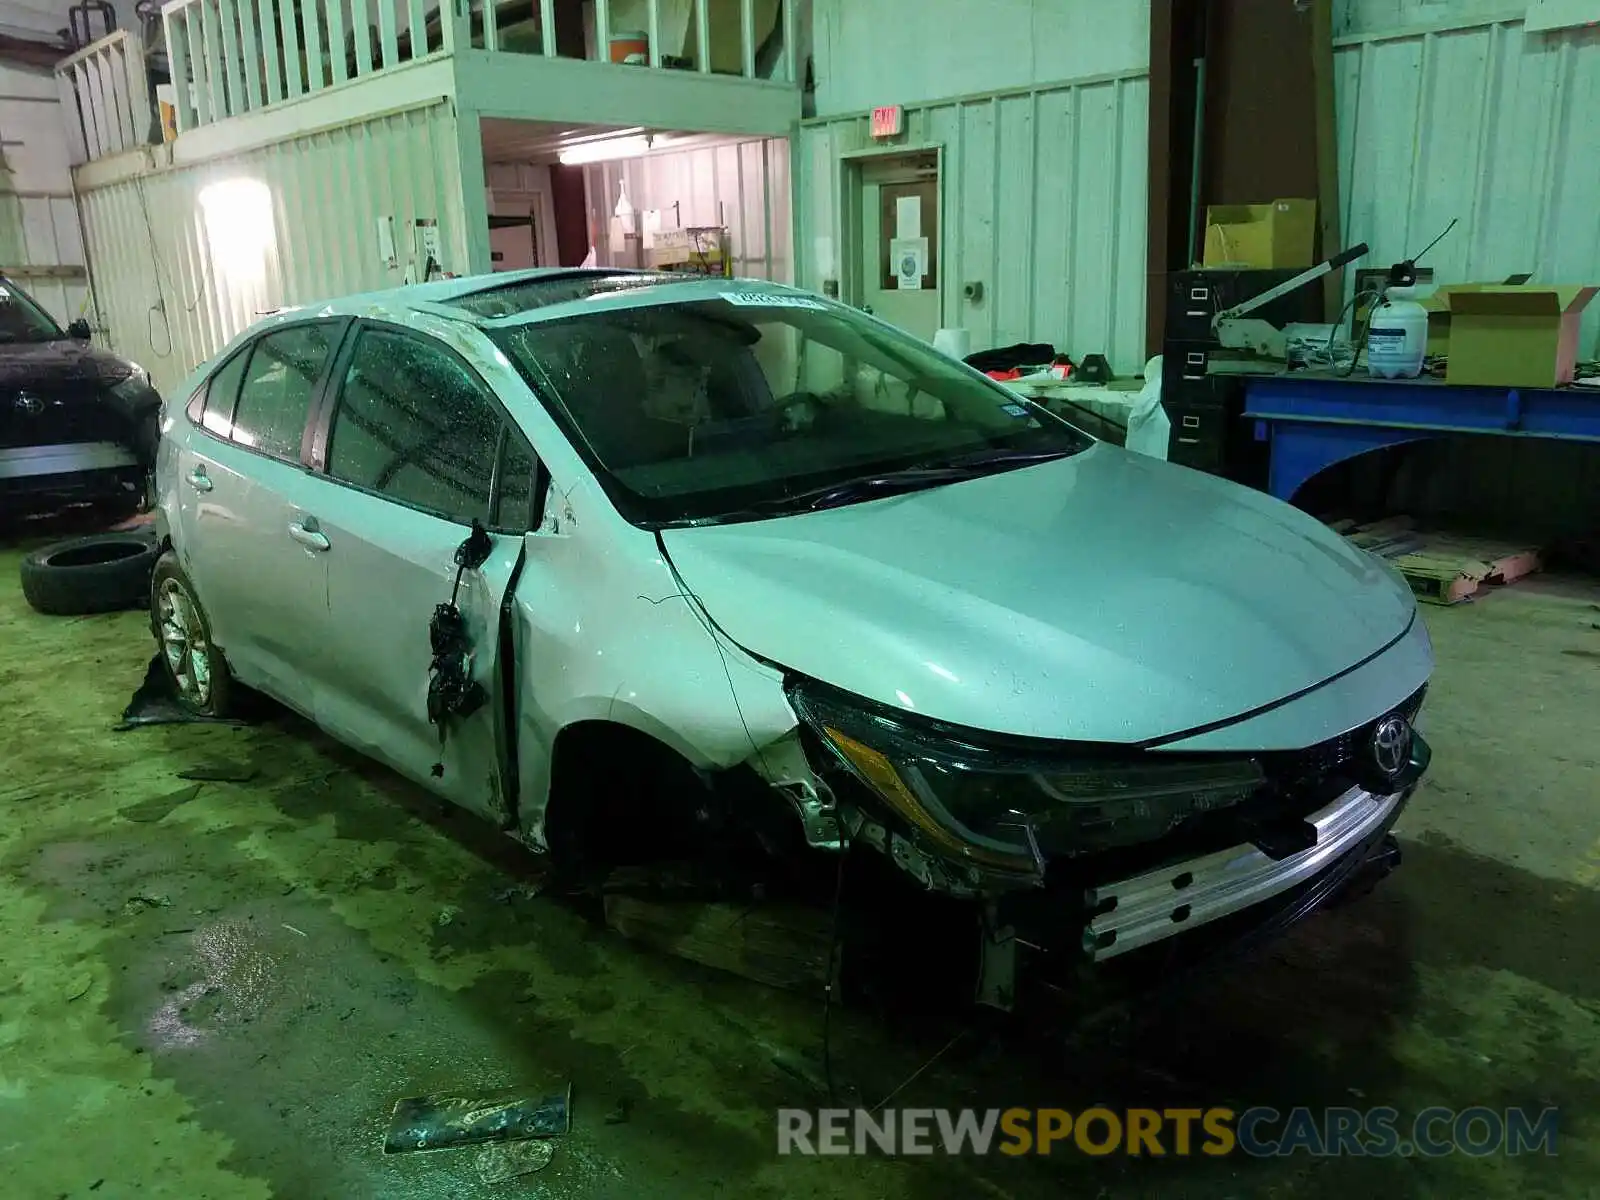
1236 330
1397 327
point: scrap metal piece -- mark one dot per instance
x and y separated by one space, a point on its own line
448 1120
498 1164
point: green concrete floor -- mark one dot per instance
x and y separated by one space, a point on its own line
218 990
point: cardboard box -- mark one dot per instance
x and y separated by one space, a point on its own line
1514 336
1280 234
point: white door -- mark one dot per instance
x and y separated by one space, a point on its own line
899 233
417 448
241 510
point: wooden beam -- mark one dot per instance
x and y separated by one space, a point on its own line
602 30
387 41
252 57
211 52
78 152
747 38
702 33
311 40
175 23
491 25
361 34
337 61
140 108
791 48
228 18
293 81
269 48
653 7
547 27
419 24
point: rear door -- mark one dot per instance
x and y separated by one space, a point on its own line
416 446
245 536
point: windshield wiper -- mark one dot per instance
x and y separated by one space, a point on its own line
911 479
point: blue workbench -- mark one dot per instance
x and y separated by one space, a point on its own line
1314 419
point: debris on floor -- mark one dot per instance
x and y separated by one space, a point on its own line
500 1164
219 772
782 945
503 1115
156 703
1442 568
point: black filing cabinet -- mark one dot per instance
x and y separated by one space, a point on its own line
1205 409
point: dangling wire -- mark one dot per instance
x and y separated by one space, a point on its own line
1412 258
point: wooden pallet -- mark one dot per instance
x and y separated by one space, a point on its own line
1444 568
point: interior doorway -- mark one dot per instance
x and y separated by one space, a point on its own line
893 239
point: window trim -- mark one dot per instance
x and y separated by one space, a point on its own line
320 432
200 403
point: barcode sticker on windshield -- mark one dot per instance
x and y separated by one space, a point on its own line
771 300
1016 410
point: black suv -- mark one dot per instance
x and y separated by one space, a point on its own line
77 424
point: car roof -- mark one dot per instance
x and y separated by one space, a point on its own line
540 294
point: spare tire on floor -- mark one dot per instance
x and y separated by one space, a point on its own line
104 572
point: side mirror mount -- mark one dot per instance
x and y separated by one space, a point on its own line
79 330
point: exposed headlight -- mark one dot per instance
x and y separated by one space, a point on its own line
135 383
1000 807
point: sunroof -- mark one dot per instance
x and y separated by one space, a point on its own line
511 299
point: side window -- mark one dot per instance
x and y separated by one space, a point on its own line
514 503
413 424
275 394
215 401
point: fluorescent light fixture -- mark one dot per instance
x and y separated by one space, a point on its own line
610 149
606 151
239 227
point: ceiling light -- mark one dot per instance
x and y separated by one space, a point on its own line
610 149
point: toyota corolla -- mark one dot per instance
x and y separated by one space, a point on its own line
613 559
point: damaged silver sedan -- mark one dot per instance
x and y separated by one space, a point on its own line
608 556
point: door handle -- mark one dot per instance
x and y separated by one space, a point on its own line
199 480
308 535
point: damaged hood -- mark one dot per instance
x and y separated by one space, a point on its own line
1105 597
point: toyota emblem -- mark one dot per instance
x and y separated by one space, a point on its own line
1391 745
28 404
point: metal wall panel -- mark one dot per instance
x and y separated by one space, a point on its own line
39 243
1487 124
164 287
1044 199
743 185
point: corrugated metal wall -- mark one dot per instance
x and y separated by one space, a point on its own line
743 185
1044 199
1488 124
39 242
166 290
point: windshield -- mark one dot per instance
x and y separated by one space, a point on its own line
21 320
723 409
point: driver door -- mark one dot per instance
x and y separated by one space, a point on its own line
417 448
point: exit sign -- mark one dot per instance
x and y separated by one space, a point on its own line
888 121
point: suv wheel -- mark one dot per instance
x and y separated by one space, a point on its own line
194 666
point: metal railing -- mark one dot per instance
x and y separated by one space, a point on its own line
105 91
229 57
226 58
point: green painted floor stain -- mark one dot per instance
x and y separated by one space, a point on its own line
218 989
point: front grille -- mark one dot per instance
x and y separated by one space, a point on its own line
1313 765
51 414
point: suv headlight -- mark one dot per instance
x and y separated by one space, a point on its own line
998 807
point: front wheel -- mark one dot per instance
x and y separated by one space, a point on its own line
194 667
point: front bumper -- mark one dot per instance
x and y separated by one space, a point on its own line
40 466
1135 912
